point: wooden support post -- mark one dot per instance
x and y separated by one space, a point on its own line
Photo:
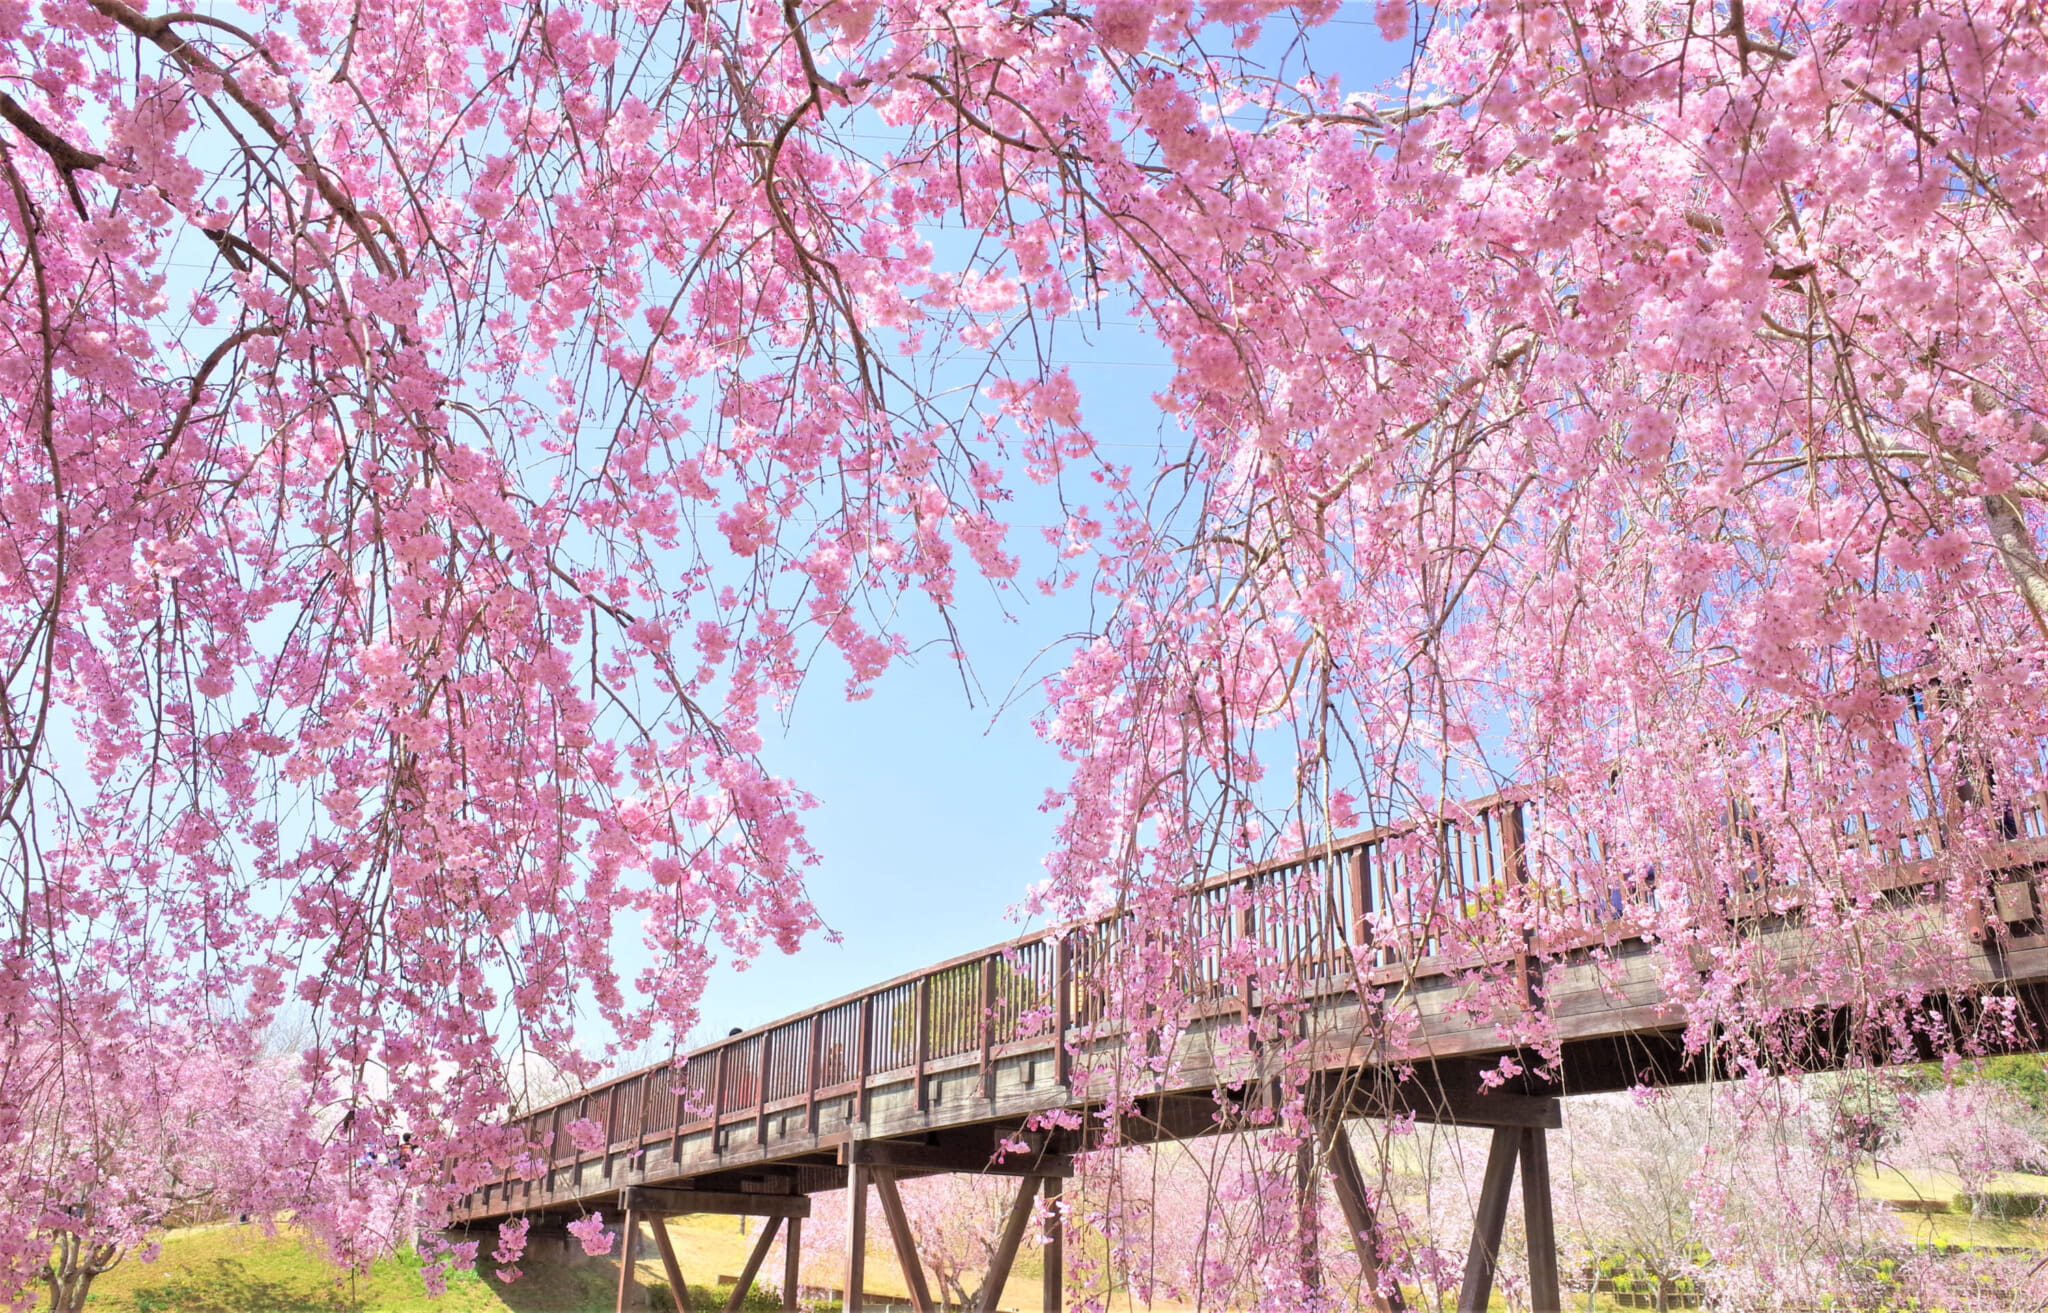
1361 910
679 1086
792 1263
1247 929
761 1087
753 1267
1349 1184
678 1292
611 1127
1006 1248
1545 1296
626 1237
718 1097
905 1242
920 1039
1062 1007
988 1027
1055 1248
811 1083
1514 844
862 1065
856 1235
1491 1220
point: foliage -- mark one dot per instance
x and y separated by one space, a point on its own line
135 1130
2025 1075
1974 1130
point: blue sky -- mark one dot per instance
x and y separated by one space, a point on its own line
928 816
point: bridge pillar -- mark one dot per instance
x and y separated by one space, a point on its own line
884 1162
856 1235
1006 1248
792 1263
904 1240
1055 1247
629 1238
1349 1185
1527 1145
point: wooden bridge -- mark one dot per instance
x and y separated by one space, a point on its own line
938 1070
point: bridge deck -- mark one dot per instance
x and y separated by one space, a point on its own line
960 1054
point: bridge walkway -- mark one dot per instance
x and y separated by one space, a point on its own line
951 1067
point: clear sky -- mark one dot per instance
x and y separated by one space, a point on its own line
928 817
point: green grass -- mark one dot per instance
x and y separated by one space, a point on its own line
1956 1227
228 1268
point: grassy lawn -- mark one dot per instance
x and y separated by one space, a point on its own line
1954 1225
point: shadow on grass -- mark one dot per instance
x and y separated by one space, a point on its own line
225 1285
593 1290
549 1289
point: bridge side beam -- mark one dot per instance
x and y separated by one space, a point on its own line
1446 1102
903 1158
651 1199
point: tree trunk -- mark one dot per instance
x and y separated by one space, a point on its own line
68 1291
2016 549
71 1270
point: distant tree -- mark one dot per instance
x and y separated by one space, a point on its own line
958 1222
1972 1129
137 1130
1626 1196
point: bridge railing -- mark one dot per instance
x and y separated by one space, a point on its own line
1399 897
1308 909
